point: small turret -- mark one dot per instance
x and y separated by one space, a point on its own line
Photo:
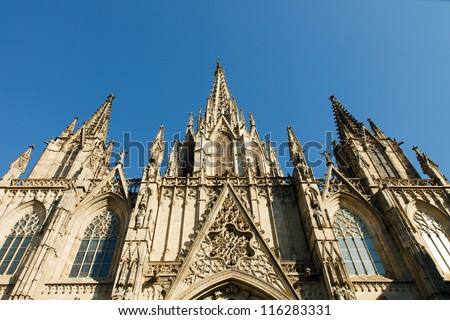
18 166
156 154
298 156
430 167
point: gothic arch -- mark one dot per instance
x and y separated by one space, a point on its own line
81 219
19 227
384 246
10 217
440 216
432 229
223 153
371 217
243 282
257 159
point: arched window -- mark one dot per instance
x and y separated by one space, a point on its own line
257 162
96 250
357 247
223 154
67 162
381 162
435 238
18 242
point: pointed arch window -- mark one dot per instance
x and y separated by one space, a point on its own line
257 162
381 162
357 248
18 242
67 162
97 248
435 238
223 154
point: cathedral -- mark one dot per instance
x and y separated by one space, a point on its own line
223 221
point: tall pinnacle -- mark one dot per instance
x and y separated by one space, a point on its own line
378 132
69 128
22 161
98 124
345 123
157 149
18 166
430 167
220 101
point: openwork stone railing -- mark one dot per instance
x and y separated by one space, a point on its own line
337 185
387 290
408 182
220 181
73 289
39 183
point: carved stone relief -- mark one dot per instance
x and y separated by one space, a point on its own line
230 244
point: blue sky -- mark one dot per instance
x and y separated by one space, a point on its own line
388 60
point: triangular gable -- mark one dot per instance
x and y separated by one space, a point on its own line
114 182
229 242
222 124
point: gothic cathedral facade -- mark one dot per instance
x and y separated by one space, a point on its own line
222 221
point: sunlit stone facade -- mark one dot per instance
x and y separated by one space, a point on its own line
223 221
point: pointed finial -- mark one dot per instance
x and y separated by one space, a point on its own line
22 161
375 128
191 120
333 100
251 119
219 68
121 158
110 97
69 128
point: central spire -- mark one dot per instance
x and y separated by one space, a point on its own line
345 122
220 102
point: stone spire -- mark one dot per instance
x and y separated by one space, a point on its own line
220 103
156 154
376 130
190 126
172 165
430 167
346 124
18 166
298 156
68 131
98 124
274 163
294 144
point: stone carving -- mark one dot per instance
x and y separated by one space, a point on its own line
53 183
319 217
231 292
427 224
230 243
70 289
140 216
343 293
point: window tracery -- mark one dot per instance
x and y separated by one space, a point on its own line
67 162
435 238
356 246
97 247
18 242
223 154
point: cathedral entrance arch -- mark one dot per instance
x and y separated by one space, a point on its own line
231 285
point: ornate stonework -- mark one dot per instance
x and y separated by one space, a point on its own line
222 221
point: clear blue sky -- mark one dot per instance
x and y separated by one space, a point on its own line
384 59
